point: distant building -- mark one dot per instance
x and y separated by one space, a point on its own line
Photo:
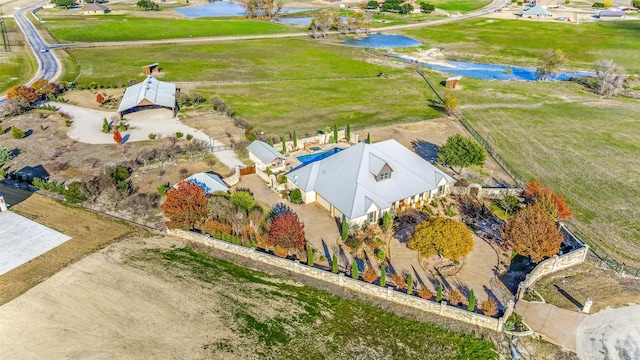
95 9
453 82
263 155
151 69
537 11
611 15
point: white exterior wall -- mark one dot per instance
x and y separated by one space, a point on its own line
324 203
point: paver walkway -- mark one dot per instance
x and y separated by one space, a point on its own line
557 325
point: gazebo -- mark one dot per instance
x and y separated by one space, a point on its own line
149 93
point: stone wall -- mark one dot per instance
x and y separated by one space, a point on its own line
362 287
233 178
317 139
486 192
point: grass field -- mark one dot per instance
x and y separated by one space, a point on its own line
516 42
302 322
581 145
88 231
17 66
128 28
459 5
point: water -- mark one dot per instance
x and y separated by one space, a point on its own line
384 41
490 71
308 159
301 20
222 8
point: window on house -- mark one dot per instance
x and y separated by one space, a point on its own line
441 189
372 216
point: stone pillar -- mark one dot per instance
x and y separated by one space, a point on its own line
443 306
389 291
587 306
3 205
555 263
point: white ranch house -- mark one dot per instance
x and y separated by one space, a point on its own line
365 181
263 156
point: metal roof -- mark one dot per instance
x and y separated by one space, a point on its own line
536 10
345 179
210 183
154 91
617 13
264 151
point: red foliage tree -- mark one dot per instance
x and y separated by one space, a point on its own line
22 92
185 206
553 204
100 98
287 232
531 232
117 137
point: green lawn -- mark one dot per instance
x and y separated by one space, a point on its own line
123 28
459 5
582 146
516 42
16 67
306 322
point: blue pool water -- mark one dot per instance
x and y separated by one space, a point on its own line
308 159
490 71
384 41
221 8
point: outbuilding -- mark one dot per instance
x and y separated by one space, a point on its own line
151 93
611 15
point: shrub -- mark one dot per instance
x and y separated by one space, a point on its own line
489 307
354 270
439 294
282 179
17 133
598 5
369 275
309 255
152 136
383 276
162 189
409 284
399 280
380 254
280 251
67 122
354 242
454 297
472 301
75 193
295 196
425 293
213 226
449 211
189 137
179 134
334 263
345 229
105 126
122 126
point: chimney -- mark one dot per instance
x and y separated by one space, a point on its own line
3 205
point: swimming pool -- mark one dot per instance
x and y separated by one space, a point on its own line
308 159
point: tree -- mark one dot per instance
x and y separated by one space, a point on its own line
296 196
533 233
287 231
284 145
309 255
147 5
22 92
295 140
449 104
17 133
550 64
427 8
373 4
334 263
271 141
242 200
553 204
410 284
368 140
185 206
75 193
461 151
472 301
383 276
354 270
607 3
441 236
335 132
347 133
508 72
5 155
439 293
117 137
345 229
67 4
43 87
100 98
610 77
635 4
489 307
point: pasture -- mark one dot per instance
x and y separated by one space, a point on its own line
514 42
16 66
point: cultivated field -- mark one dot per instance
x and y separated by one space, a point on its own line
581 145
88 231
515 42
145 297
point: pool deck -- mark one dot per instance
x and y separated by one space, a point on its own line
292 157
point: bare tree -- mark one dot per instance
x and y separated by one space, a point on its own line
610 77
550 63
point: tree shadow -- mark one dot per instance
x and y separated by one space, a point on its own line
425 149
125 138
568 297
325 249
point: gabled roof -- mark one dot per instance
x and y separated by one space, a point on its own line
536 10
346 181
619 13
149 92
264 151
95 7
210 183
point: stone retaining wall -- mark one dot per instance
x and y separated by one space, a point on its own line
388 294
486 192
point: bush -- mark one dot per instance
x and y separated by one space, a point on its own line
17 133
454 297
282 179
213 226
354 270
296 196
309 255
105 126
179 135
399 280
409 284
383 276
439 294
472 301
75 193
425 293
334 263
152 136
189 137
369 275
489 307
162 189
345 230
380 254
67 122
598 5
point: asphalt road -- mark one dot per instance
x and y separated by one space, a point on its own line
49 66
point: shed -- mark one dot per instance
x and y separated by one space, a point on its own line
611 14
453 82
149 93
151 69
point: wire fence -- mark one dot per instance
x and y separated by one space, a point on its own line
595 250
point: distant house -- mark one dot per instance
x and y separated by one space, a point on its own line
537 11
264 155
151 69
95 9
210 183
416 7
363 182
453 82
611 15
149 93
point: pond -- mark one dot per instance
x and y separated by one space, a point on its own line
222 8
301 20
384 41
490 71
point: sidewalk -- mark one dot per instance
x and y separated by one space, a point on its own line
556 325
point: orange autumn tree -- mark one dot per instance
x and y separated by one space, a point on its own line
553 204
22 92
43 87
185 206
531 232
117 137
439 236
287 231
100 98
